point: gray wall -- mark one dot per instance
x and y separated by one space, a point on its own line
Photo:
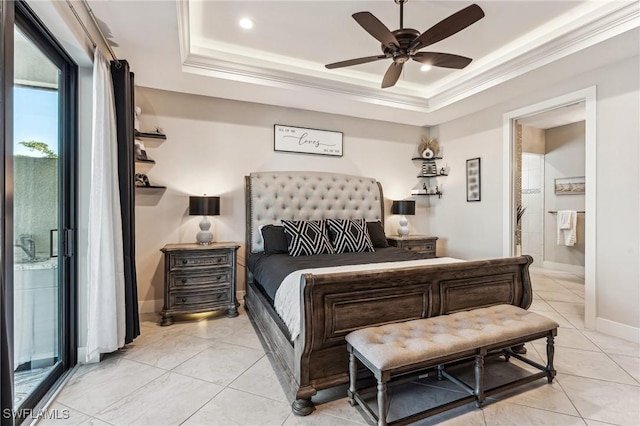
35 201
565 146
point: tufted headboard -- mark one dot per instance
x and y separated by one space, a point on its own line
272 196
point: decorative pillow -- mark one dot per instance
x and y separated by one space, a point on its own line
376 232
275 241
306 238
349 235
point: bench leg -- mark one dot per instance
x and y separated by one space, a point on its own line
440 369
353 373
551 373
479 370
382 403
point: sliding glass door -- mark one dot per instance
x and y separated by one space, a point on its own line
39 198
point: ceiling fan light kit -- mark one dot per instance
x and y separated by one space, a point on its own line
404 44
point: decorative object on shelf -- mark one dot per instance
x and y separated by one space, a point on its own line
404 208
136 120
473 179
204 206
141 179
569 186
140 152
307 141
429 148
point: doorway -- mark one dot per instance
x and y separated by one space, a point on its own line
39 213
551 169
512 186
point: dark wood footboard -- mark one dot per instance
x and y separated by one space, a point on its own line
336 304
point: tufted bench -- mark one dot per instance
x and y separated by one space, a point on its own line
402 349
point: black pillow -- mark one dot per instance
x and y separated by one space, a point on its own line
377 235
275 241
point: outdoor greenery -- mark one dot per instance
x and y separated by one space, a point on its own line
41 147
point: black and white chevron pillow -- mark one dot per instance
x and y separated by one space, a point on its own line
350 235
308 237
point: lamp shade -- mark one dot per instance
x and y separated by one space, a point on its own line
204 206
404 207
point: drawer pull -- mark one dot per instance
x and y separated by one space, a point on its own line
184 281
184 299
185 261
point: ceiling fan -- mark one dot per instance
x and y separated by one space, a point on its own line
404 44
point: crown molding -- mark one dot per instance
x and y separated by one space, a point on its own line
589 34
601 22
205 65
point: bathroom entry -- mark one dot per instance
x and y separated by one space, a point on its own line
552 172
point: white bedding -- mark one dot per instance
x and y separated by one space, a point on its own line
287 300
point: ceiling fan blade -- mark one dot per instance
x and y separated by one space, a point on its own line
356 61
377 29
448 27
392 75
445 60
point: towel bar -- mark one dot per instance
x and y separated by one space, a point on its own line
555 212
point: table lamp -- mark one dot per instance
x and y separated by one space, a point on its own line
205 206
403 207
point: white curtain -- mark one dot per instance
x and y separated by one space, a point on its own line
106 304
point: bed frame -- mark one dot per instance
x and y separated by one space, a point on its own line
336 304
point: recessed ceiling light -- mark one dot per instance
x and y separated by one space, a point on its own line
425 68
246 23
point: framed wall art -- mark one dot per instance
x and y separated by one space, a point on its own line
569 186
307 141
473 179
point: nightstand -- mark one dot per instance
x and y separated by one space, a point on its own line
418 243
199 278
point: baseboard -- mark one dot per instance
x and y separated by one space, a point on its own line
617 329
564 267
150 306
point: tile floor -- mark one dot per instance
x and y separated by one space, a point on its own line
215 372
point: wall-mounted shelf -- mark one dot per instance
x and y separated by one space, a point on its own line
143 166
149 135
428 166
150 139
151 187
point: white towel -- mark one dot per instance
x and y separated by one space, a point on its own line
564 219
567 220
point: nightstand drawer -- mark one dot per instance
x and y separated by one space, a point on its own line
190 260
189 299
179 280
420 246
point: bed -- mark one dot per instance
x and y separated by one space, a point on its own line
333 304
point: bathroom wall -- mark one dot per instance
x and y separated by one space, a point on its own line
533 200
565 157
35 201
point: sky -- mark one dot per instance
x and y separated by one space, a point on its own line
35 118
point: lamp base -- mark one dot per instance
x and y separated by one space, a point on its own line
403 230
205 236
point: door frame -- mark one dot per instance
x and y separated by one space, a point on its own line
589 97
22 15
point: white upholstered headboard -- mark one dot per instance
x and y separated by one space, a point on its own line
272 196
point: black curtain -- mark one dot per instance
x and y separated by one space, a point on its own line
123 93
